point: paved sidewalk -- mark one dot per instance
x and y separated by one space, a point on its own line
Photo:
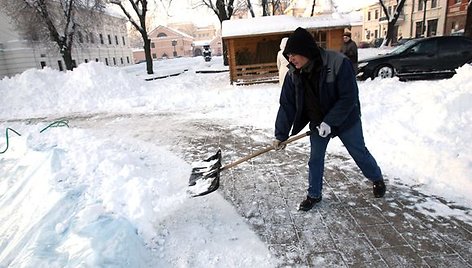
349 228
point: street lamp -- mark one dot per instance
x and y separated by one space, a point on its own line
174 43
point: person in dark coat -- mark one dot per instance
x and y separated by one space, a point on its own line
349 48
321 90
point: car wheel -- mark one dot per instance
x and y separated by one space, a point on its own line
384 71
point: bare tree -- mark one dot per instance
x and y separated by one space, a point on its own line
137 18
468 21
57 21
392 19
223 9
135 38
278 6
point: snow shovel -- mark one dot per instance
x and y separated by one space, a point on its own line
205 176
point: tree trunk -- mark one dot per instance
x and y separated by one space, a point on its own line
147 53
67 56
225 49
313 8
140 9
264 4
249 6
468 21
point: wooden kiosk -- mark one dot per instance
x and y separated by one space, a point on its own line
253 43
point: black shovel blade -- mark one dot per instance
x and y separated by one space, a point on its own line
205 176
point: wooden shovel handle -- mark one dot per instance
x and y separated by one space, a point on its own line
265 150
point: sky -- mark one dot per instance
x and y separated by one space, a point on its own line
185 10
92 195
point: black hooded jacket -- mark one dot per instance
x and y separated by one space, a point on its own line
336 91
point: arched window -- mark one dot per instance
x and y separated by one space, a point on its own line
161 35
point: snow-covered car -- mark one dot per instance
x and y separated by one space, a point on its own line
431 57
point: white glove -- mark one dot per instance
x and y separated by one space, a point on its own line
278 146
324 130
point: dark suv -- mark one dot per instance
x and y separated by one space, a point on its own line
429 57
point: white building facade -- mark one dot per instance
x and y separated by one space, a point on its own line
107 43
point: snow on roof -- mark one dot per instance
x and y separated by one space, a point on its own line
280 24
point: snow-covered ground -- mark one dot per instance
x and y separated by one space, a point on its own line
71 198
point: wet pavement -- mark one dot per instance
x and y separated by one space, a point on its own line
349 228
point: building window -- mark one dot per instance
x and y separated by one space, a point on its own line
434 3
106 61
420 5
101 39
154 56
121 59
376 14
368 15
432 27
59 64
419 29
86 60
127 59
153 45
161 35
123 38
43 64
320 38
96 59
114 61
116 39
109 39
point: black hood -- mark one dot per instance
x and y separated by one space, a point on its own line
301 42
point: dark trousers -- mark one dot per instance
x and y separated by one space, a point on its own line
353 140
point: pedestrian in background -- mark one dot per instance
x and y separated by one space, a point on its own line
349 48
321 90
282 61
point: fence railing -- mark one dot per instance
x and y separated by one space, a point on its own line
255 73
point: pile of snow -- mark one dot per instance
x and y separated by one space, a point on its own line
68 198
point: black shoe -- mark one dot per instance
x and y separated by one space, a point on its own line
308 203
379 188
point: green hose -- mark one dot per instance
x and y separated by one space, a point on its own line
58 123
6 134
